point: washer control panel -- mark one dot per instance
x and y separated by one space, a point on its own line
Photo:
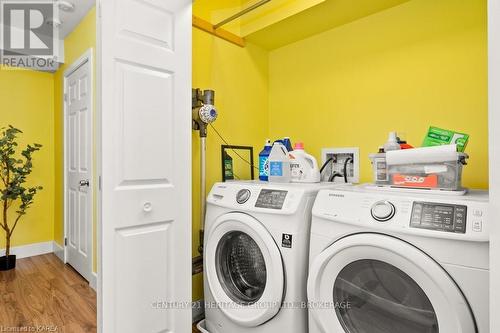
272 199
282 199
438 216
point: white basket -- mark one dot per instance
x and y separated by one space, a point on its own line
201 326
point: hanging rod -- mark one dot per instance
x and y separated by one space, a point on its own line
241 13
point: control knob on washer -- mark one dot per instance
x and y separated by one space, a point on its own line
383 211
242 196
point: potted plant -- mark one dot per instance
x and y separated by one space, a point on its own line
15 195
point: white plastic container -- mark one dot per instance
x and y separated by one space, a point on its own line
379 167
202 327
432 168
444 175
279 164
303 167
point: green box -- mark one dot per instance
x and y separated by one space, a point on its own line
437 137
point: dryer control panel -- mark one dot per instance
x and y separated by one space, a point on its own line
439 216
431 215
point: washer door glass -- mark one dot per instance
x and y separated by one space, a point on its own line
241 268
371 296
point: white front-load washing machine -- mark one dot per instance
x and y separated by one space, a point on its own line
394 262
256 257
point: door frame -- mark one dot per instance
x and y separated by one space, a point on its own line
494 156
86 57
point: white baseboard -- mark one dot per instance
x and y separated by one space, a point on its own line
198 310
93 281
58 250
31 250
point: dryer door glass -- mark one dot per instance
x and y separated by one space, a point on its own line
241 269
371 296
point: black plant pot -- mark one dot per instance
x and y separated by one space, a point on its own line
7 263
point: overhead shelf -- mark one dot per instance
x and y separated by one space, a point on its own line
218 32
274 23
229 19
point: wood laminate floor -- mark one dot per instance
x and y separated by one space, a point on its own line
43 292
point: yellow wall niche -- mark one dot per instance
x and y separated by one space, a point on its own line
417 64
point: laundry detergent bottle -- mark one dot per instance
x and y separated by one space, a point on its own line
303 167
288 143
264 161
279 164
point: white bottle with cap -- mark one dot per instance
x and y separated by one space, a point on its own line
392 142
279 164
303 167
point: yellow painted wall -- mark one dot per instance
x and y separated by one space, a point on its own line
27 103
239 78
417 64
75 45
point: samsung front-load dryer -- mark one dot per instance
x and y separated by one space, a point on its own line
394 262
256 257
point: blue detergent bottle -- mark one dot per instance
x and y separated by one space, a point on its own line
264 161
287 143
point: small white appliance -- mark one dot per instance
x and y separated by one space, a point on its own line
256 256
392 262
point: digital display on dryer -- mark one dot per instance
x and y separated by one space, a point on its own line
272 199
436 216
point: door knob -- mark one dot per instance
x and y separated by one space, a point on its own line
84 182
147 206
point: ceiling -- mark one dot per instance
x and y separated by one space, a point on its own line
71 19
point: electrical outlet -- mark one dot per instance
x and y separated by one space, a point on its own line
337 157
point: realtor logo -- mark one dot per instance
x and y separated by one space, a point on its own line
27 37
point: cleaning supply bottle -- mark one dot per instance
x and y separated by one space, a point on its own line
288 143
228 167
264 161
303 167
392 142
279 164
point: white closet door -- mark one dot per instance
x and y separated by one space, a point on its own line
146 166
78 122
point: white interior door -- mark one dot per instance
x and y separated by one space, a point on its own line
78 145
145 59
